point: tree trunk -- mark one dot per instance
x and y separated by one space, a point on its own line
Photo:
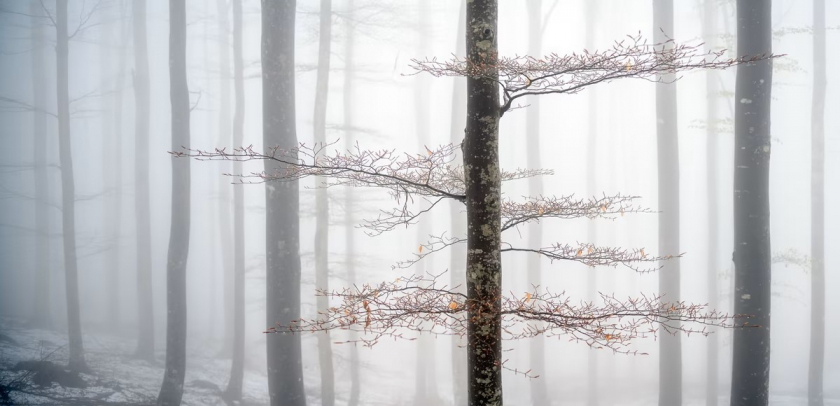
41 294
179 233
817 353
539 391
751 346
68 194
592 377
483 201
285 372
458 225
713 259
349 196
234 388
112 159
322 216
224 185
670 355
145 303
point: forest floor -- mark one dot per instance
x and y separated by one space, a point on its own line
117 378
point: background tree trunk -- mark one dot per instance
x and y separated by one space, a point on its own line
224 184
458 224
751 346
142 213
483 201
41 294
668 155
817 349
349 196
322 210
68 193
285 372
539 391
179 233
234 388
713 259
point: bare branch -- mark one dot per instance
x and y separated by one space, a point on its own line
567 207
591 255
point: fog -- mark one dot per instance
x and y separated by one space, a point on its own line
597 142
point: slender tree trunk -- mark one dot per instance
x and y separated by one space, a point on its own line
68 199
817 353
145 306
539 391
224 141
668 155
751 346
234 388
349 196
285 371
41 294
592 377
713 261
483 201
172 388
112 159
322 217
458 224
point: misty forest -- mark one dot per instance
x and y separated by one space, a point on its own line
418 202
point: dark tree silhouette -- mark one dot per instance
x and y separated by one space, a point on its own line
285 370
752 293
172 388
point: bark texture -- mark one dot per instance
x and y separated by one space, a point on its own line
483 201
668 155
751 345
817 349
172 388
285 371
76 360
142 214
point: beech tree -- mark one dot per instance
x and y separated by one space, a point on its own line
482 313
172 388
752 291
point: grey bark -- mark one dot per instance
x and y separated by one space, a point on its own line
68 202
539 391
322 210
41 295
592 378
670 354
142 213
285 372
349 197
751 346
817 349
234 387
172 388
458 224
713 261
483 201
224 184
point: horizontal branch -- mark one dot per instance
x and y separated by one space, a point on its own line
591 255
533 209
422 304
